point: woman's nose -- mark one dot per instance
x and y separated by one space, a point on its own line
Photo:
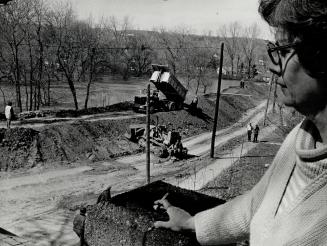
275 69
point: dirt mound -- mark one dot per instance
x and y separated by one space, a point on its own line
62 113
126 218
18 148
104 139
95 110
83 140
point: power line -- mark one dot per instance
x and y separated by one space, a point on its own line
116 48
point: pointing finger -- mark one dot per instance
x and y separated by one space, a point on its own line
163 202
162 224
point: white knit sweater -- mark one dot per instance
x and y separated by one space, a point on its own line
254 214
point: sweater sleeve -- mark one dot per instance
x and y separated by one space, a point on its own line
230 222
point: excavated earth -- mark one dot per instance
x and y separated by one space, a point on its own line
125 219
61 144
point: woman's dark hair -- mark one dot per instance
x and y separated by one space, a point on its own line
305 21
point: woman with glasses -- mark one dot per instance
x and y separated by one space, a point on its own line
289 204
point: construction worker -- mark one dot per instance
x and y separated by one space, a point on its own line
249 130
9 113
242 83
155 97
79 225
194 103
255 134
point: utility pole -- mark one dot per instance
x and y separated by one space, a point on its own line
148 135
217 101
266 110
275 96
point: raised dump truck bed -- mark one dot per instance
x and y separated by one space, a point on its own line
168 84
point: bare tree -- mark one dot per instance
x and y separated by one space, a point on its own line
201 61
13 22
230 35
249 44
175 45
94 55
117 35
141 53
68 35
35 48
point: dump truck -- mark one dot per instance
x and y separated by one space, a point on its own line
169 86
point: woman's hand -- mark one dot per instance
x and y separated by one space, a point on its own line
179 219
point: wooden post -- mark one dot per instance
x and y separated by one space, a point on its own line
217 101
148 135
275 95
267 105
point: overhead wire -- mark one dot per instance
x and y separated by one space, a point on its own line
115 48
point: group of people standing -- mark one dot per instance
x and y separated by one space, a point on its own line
254 130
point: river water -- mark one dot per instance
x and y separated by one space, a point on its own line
105 91
126 91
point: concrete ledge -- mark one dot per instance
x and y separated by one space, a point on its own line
10 239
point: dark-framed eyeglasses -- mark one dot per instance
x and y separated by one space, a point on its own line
275 51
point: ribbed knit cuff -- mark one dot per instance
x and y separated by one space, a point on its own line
219 225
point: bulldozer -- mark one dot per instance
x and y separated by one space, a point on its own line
137 134
170 143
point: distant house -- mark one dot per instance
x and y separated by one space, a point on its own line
224 71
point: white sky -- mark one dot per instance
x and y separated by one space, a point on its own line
200 15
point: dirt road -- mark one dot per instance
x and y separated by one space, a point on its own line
29 202
41 122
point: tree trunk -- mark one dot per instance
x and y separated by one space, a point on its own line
4 96
31 95
275 96
40 76
197 86
281 121
249 68
26 92
90 81
237 66
17 82
48 90
72 89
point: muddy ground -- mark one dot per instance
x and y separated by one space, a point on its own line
64 143
39 202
